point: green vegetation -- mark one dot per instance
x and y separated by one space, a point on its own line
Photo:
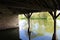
43 19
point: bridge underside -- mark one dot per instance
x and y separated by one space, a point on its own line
9 10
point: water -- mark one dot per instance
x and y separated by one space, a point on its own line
35 34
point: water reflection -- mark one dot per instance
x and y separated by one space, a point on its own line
58 23
58 29
22 31
34 28
34 34
41 29
42 38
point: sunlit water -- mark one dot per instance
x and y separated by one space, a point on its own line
47 36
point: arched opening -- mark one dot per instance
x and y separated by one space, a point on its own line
41 26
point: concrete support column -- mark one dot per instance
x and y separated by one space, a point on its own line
8 21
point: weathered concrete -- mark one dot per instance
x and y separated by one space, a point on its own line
8 21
